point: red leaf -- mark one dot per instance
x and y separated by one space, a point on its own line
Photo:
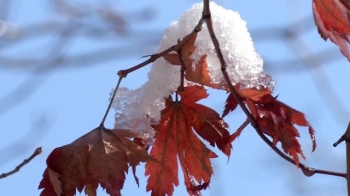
102 156
332 18
276 119
200 187
199 74
176 139
254 94
186 51
252 108
50 183
231 104
172 59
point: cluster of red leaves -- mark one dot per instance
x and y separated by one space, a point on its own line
176 141
274 118
102 156
332 18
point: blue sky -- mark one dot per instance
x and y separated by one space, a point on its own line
65 103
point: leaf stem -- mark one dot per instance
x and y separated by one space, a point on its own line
111 101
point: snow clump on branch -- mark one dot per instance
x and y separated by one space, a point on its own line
138 109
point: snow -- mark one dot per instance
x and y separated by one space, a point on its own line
140 108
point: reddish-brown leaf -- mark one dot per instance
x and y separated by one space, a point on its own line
172 59
277 120
176 140
231 104
200 187
252 108
187 50
102 156
199 73
51 183
332 18
205 121
254 94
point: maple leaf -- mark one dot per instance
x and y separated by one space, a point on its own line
332 18
101 156
254 94
176 140
277 120
197 74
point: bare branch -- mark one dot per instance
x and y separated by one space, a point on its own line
111 101
26 161
177 47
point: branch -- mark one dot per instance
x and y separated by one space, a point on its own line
346 137
207 18
26 161
306 170
176 48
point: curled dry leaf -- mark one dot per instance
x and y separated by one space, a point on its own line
198 73
101 156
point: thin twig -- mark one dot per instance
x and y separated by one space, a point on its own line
177 47
26 161
306 170
347 139
37 131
